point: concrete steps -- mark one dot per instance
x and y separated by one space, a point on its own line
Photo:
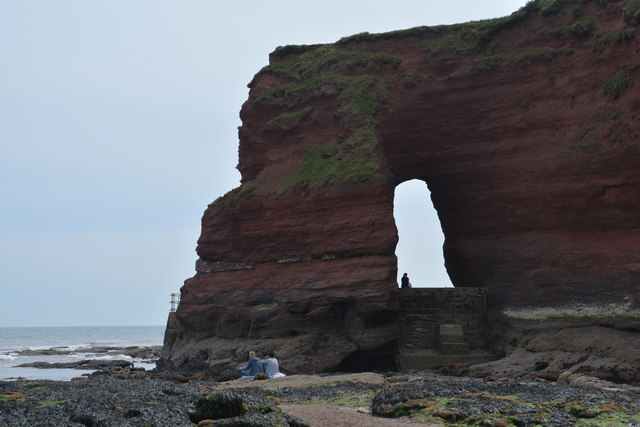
441 326
451 339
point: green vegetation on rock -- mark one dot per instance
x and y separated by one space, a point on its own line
618 137
484 63
267 307
583 26
617 85
331 70
552 7
54 403
466 37
12 396
407 79
282 51
593 411
461 39
360 100
604 38
290 94
338 70
562 31
354 160
632 12
453 38
496 403
318 72
549 7
244 191
344 399
587 145
531 55
333 58
287 121
390 35
615 114
435 410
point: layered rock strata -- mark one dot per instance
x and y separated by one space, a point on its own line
526 130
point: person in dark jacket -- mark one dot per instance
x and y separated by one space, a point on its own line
253 367
405 281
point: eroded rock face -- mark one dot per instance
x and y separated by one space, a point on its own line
526 130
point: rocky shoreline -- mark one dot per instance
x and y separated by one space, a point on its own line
148 354
116 397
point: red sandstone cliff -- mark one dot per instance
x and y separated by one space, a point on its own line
526 130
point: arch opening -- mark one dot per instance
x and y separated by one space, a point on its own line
420 239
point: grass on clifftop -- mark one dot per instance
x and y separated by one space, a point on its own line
310 72
464 38
330 70
313 63
355 159
453 38
244 191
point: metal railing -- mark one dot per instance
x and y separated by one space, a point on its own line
175 301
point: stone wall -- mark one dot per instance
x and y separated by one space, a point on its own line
172 330
421 310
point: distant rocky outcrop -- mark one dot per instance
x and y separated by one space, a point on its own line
526 130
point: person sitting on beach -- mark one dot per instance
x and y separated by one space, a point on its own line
270 364
253 367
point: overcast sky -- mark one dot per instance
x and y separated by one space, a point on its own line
118 126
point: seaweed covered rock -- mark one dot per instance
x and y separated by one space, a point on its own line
228 374
227 404
475 402
262 420
239 408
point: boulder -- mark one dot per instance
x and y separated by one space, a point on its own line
237 408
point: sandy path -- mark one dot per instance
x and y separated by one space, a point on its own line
296 381
325 416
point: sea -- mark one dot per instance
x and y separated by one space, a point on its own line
19 345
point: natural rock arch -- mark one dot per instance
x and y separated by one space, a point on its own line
420 238
526 133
